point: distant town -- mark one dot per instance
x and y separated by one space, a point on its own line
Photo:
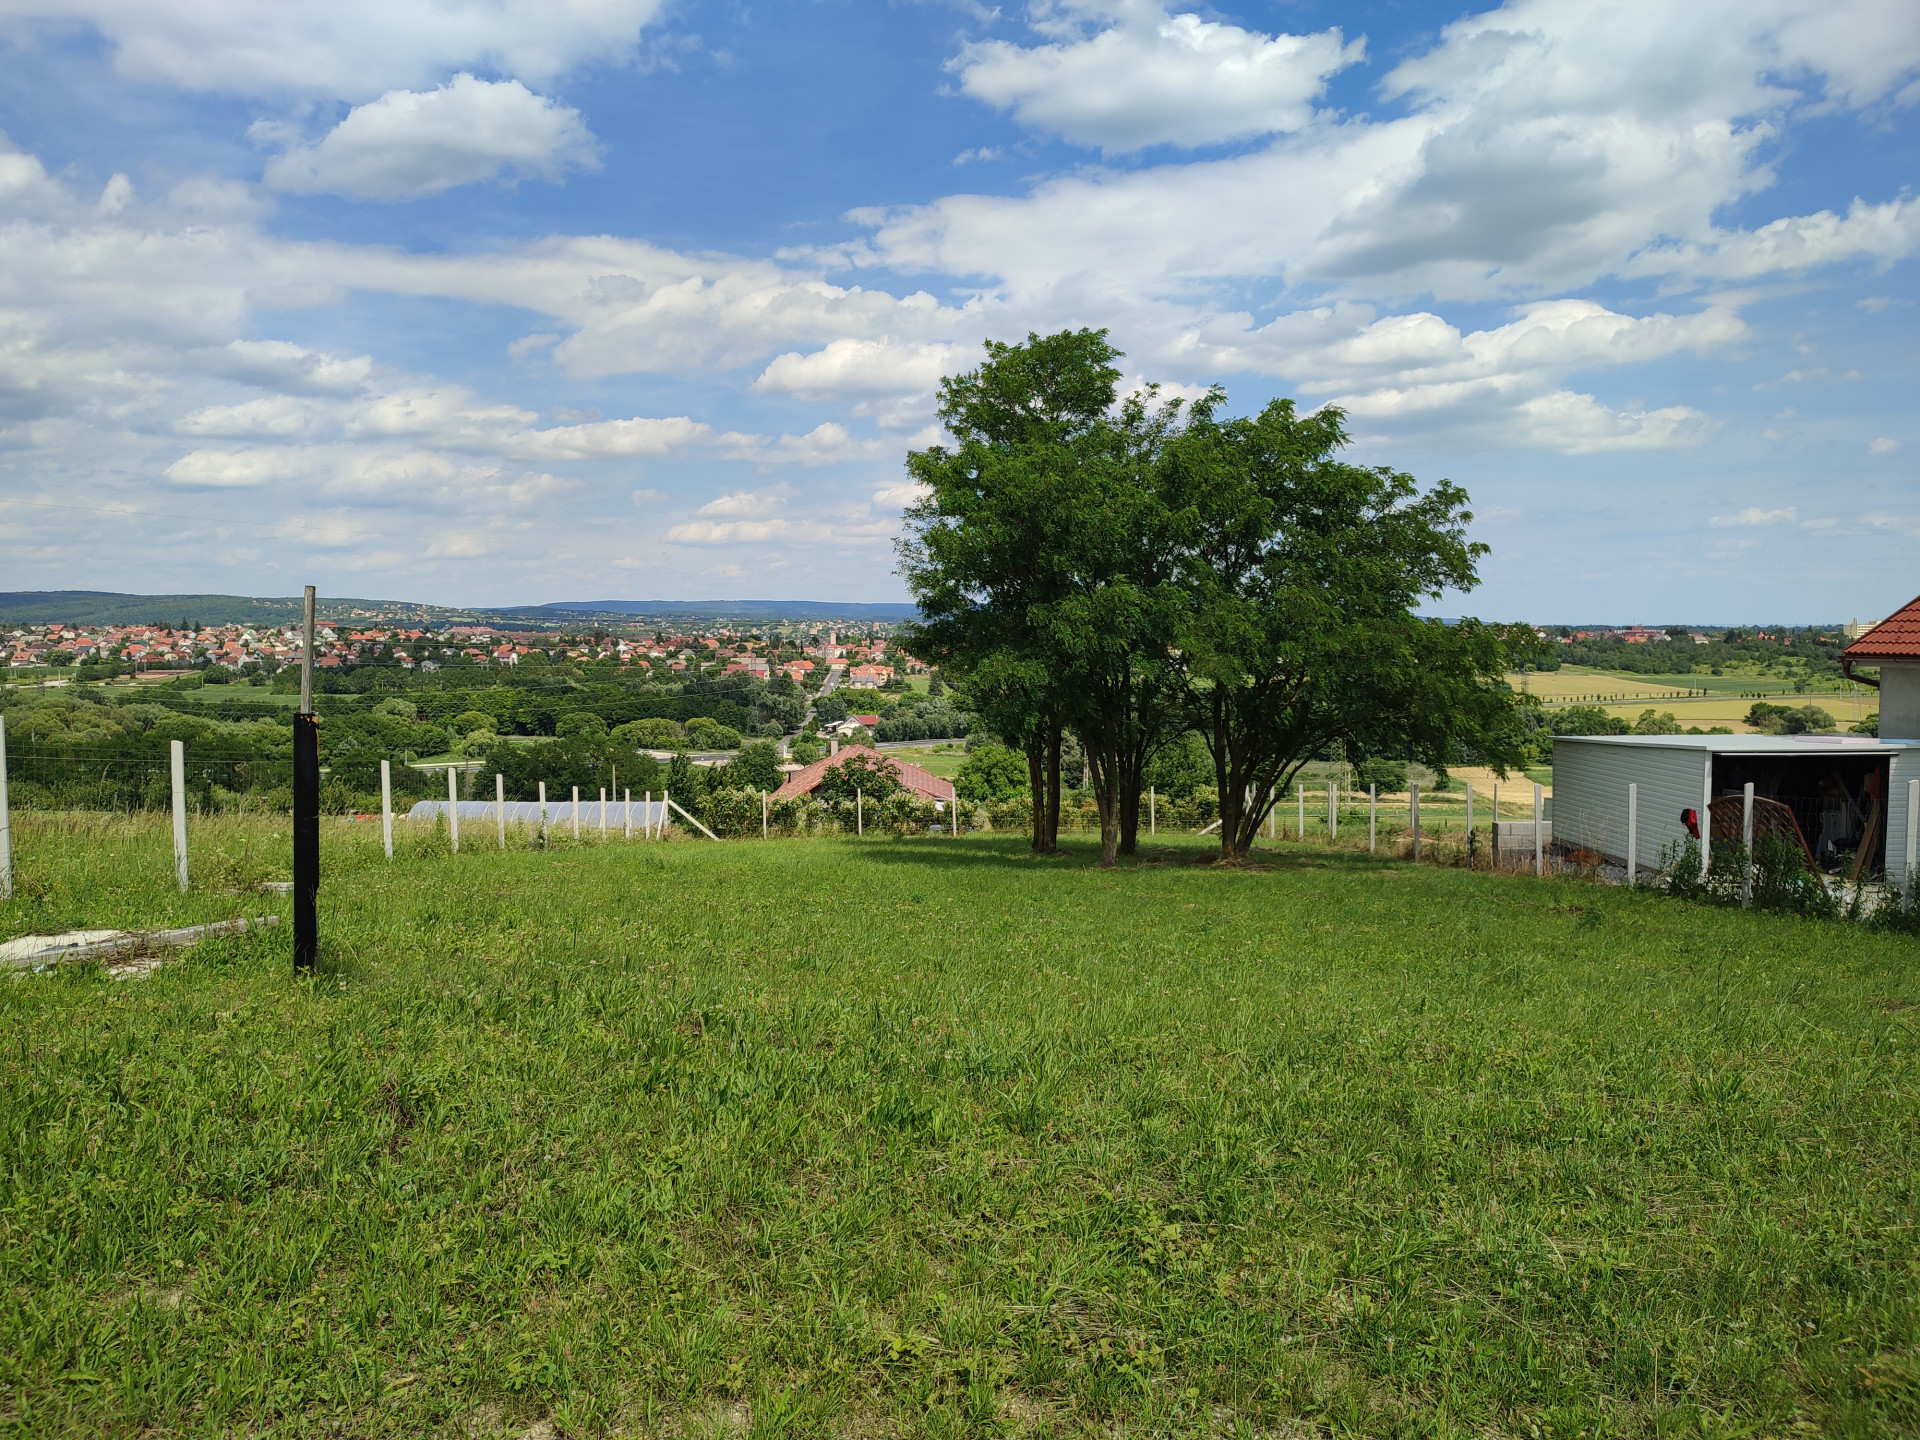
814 656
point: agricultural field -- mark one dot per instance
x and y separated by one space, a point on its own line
1726 700
937 757
930 1137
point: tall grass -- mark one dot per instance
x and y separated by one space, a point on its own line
928 1137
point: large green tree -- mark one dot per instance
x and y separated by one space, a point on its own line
1300 639
991 548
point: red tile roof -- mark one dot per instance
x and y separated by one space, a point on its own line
922 782
1895 638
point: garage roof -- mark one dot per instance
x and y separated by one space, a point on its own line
1751 744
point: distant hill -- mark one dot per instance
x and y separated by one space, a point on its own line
107 607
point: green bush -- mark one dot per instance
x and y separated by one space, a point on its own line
580 725
1389 775
467 722
656 734
992 772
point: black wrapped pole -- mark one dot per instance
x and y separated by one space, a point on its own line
306 812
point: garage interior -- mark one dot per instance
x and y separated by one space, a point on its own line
1834 805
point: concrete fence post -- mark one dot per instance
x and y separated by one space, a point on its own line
763 814
1470 837
1746 844
1494 831
543 812
6 824
500 807
1633 835
666 799
1413 815
1153 827
626 818
1539 839
453 812
1373 815
1300 792
859 812
576 812
386 807
179 758
1333 812
603 814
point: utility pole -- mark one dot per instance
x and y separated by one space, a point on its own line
306 810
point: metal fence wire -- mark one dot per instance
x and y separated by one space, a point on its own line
60 774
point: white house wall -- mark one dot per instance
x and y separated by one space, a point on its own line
1900 702
1590 795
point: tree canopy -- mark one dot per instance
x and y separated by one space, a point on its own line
1129 569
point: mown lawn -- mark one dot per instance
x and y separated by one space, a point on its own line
930 1138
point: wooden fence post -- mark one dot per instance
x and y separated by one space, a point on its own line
178 754
386 807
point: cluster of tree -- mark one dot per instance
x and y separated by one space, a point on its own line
1128 570
1789 719
1810 652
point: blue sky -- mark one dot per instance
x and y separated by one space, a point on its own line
488 302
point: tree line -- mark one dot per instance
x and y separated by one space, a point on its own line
1131 569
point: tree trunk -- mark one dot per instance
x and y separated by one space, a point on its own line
1053 789
1037 787
1105 777
1130 813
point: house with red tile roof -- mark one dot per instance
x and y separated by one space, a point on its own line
923 783
1894 646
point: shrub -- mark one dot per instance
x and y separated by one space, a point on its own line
469 721
1389 775
657 734
707 734
871 776
582 725
992 772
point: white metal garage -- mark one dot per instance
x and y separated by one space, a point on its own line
1844 791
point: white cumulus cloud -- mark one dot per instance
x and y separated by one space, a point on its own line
409 144
345 49
1151 78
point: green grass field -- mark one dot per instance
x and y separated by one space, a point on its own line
837 1138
